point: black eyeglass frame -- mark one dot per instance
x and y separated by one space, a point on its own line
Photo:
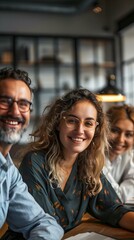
10 102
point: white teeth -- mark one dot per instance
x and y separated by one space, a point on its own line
77 139
11 122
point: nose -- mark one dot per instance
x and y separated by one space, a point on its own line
121 137
14 109
80 127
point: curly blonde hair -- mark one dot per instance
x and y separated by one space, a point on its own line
46 138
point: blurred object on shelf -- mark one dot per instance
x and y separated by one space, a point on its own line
7 57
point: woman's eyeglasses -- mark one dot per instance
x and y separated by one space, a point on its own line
74 122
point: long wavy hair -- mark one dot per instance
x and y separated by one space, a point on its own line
46 139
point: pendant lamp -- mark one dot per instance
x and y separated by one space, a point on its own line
111 93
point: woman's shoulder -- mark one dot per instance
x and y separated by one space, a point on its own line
35 156
128 156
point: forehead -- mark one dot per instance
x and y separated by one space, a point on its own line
125 124
14 88
84 108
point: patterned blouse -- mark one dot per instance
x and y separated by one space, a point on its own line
69 206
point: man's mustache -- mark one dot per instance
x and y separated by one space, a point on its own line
11 118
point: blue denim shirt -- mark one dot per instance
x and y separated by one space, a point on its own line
19 209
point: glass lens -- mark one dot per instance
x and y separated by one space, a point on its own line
4 103
71 121
23 105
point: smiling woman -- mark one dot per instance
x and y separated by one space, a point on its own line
63 165
119 168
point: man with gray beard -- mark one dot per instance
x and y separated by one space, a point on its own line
17 207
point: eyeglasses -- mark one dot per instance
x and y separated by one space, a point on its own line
74 122
23 104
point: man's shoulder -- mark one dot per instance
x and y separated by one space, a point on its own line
9 173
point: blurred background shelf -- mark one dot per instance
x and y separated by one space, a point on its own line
58 63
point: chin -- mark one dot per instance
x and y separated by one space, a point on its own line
10 137
118 152
79 151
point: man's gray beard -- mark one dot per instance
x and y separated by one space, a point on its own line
10 136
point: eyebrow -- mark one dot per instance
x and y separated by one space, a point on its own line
88 118
7 96
130 131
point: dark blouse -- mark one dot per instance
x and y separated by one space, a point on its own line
69 206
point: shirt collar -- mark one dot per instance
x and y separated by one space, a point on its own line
5 161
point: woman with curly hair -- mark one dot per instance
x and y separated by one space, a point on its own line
119 168
63 165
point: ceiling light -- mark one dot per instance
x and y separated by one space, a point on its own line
96 8
111 93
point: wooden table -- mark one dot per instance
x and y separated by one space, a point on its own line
3 229
91 224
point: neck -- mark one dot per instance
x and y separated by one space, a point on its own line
5 148
112 156
68 161
66 165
